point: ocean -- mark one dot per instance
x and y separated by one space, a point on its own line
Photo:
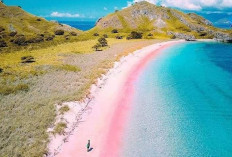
82 25
182 106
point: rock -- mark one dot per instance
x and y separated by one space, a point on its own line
20 40
3 43
223 37
73 33
59 32
187 37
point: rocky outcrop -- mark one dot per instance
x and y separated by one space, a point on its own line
223 37
187 37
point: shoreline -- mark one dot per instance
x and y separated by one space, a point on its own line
105 113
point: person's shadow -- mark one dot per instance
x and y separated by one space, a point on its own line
90 149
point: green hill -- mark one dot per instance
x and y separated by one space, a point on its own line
19 28
160 21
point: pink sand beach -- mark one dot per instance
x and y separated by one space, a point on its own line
104 122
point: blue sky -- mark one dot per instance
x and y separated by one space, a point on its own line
91 10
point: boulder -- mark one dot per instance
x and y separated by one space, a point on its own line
73 33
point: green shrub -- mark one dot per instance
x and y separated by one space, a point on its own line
13 33
59 32
136 35
105 35
150 35
114 31
103 42
3 43
27 59
119 37
97 46
20 40
1 70
96 34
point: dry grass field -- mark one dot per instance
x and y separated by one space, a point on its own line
29 91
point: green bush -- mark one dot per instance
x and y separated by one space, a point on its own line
103 42
1 70
119 37
27 59
97 46
114 31
96 34
136 35
59 32
105 35
3 43
20 40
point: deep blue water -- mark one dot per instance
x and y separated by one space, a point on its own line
82 25
183 104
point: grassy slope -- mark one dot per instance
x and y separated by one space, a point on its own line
13 18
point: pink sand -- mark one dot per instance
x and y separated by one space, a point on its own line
105 124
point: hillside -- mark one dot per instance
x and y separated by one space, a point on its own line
19 28
161 21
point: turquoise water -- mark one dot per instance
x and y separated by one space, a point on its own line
183 104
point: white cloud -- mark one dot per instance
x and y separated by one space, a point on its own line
115 8
57 14
192 4
105 8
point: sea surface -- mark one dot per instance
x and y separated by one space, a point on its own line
182 105
82 25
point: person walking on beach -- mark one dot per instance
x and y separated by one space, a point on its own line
88 145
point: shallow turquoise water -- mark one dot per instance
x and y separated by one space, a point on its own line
183 104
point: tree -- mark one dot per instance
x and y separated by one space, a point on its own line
97 46
2 1
103 42
136 35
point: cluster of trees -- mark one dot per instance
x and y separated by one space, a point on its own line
102 42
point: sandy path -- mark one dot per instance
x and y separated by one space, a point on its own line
104 122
